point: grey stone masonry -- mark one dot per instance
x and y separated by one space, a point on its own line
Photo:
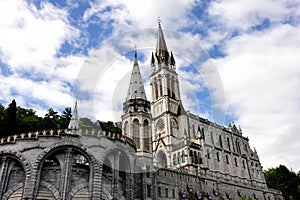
66 164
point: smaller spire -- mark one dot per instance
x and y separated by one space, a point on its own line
74 124
172 61
152 59
136 88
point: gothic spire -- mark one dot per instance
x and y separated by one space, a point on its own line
136 88
74 119
161 47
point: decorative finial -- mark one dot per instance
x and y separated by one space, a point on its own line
135 54
158 20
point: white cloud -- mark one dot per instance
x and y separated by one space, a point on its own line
260 75
50 93
30 39
245 14
141 14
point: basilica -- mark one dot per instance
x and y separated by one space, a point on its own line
163 152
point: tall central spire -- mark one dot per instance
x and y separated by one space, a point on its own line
161 43
162 56
161 53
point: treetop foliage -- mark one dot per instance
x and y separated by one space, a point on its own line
15 119
281 178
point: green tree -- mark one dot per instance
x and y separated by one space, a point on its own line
281 178
109 127
11 117
28 121
86 123
65 118
51 120
3 121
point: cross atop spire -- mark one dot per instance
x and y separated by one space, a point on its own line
135 55
158 20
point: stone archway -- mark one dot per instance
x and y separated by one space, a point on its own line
13 177
116 176
68 165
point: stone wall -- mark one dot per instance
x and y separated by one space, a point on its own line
66 164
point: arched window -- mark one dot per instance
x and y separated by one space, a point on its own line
202 132
166 192
199 158
191 156
126 129
168 85
228 143
174 159
155 89
208 156
195 157
173 87
237 143
161 159
183 156
239 147
227 160
159 191
193 131
179 158
160 86
136 133
220 141
148 190
147 136
235 162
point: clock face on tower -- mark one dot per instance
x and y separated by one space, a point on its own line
160 125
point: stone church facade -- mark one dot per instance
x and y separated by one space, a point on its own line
164 152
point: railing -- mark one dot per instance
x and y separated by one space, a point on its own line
61 132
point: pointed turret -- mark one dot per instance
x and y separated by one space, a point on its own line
136 88
74 124
136 116
172 60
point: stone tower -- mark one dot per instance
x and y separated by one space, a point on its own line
166 104
136 118
136 124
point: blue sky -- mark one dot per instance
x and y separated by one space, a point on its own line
237 61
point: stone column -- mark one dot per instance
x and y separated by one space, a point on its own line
66 173
3 175
96 184
115 192
129 185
